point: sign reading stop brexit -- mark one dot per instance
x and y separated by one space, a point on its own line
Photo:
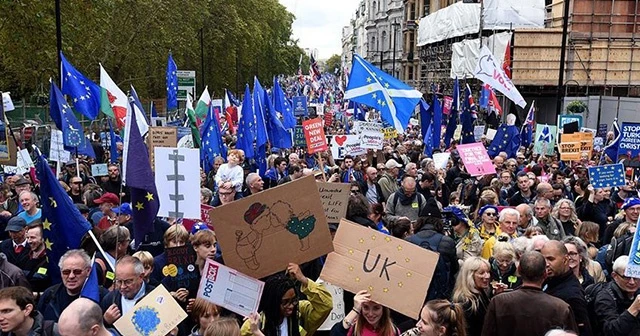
314 134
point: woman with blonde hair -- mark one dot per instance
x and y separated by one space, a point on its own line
203 314
565 211
471 291
578 260
225 326
503 266
441 318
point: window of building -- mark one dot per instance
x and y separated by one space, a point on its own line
374 9
410 75
383 41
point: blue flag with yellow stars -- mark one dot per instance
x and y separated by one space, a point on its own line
507 139
63 225
138 176
607 176
84 93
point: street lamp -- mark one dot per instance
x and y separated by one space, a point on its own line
393 66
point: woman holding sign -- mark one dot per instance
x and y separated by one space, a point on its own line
367 318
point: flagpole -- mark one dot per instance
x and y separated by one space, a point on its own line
59 40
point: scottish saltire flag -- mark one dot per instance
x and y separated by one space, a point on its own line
84 93
526 134
466 118
138 176
63 225
141 119
63 117
611 150
212 144
371 86
507 139
281 105
91 289
453 114
545 139
607 176
113 147
172 84
245 125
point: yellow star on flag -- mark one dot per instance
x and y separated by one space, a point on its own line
149 196
139 206
369 88
374 95
46 224
369 79
53 202
386 85
48 244
384 104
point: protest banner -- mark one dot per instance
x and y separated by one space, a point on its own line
491 133
633 267
7 103
337 313
478 132
334 197
156 314
629 149
475 159
299 106
602 130
447 102
23 163
177 176
56 148
440 160
328 118
568 118
8 147
298 137
598 143
342 145
262 233
390 133
99 169
204 218
371 138
590 130
161 137
181 269
607 176
314 135
545 139
230 289
574 145
396 272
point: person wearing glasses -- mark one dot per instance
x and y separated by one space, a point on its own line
129 289
75 266
578 260
283 313
508 225
488 227
616 302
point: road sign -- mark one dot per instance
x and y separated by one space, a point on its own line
186 84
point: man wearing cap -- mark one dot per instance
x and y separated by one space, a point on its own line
21 184
107 202
71 170
388 181
16 249
114 183
31 213
631 207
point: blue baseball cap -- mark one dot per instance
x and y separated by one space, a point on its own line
123 209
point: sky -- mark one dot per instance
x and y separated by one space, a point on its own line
318 24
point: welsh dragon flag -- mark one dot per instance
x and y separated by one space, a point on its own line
191 115
113 102
202 107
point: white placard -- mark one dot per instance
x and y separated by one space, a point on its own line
337 313
440 160
230 289
24 162
633 267
478 132
342 145
178 182
7 103
99 169
490 73
371 139
56 148
491 133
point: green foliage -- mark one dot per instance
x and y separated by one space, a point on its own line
576 106
332 63
132 39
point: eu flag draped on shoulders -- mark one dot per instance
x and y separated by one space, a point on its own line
212 144
611 149
63 225
138 176
526 134
507 139
245 125
72 133
84 93
371 86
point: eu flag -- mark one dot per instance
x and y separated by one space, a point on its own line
63 117
426 123
371 86
141 119
84 93
436 128
63 225
258 108
278 136
172 84
212 144
281 104
91 289
466 118
245 125
453 115
138 176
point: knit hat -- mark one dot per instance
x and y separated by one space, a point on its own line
629 202
485 208
431 209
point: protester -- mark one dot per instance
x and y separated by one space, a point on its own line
203 314
509 219
388 181
442 318
405 203
565 212
36 268
366 318
18 315
551 226
83 317
578 260
471 291
16 249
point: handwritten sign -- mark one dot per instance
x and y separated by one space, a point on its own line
298 137
607 176
633 267
342 145
314 135
573 145
156 314
396 272
475 159
337 313
335 197
161 137
56 149
181 269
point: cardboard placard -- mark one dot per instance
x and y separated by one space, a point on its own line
181 269
475 159
8 147
390 133
262 233
156 314
607 176
160 137
396 272
573 145
629 149
314 135
335 197
342 145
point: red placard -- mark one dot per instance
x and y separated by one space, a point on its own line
314 135
446 108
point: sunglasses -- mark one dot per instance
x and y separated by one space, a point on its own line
355 191
68 272
492 214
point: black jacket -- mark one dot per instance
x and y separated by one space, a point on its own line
475 319
49 305
611 311
114 297
567 288
40 327
18 259
364 187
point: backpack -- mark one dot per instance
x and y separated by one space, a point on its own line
618 247
439 287
590 295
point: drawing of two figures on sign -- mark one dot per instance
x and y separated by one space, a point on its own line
273 218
